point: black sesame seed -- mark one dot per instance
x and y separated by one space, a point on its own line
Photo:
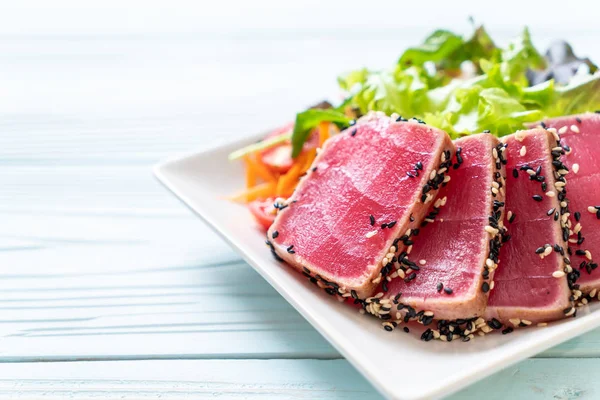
419 165
485 287
405 329
486 131
372 220
543 124
512 218
275 234
412 219
494 324
391 224
353 131
515 172
577 216
507 330
578 119
388 328
580 252
448 290
540 250
598 214
537 197
440 286
289 249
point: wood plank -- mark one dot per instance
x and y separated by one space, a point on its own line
280 379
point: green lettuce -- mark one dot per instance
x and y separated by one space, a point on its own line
432 82
308 120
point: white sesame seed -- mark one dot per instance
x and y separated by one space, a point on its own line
542 324
492 285
588 255
526 322
523 151
557 148
577 228
361 311
447 178
563 204
393 249
575 128
409 249
531 172
562 130
444 200
431 221
436 334
432 175
584 300
558 274
379 295
408 232
428 313
372 233
490 263
423 262
550 193
495 191
390 255
385 261
429 198
571 312
442 170
559 184
491 230
486 329
496 185
495 152
551 130
520 136
401 274
548 251
509 215
515 321
592 209
593 293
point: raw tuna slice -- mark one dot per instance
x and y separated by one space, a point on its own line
580 135
458 253
367 186
533 281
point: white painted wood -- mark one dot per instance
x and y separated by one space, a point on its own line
276 379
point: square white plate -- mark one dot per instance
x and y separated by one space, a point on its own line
400 366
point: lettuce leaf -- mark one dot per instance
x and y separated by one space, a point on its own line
308 120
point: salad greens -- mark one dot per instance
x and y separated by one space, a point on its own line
466 85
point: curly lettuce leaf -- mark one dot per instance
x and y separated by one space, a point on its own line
437 47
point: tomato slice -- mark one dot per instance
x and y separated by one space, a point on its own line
279 158
263 211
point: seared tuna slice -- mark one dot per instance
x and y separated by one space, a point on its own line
366 188
531 283
458 253
580 137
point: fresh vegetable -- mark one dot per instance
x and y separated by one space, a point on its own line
462 84
263 211
308 120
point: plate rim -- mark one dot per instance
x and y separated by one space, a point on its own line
583 323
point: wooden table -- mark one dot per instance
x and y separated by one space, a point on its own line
109 286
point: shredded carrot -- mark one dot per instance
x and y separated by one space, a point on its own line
323 132
261 191
289 180
261 169
250 173
311 154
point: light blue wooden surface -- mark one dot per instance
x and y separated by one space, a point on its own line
100 265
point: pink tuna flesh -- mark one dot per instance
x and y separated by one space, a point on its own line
582 136
362 172
455 247
525 287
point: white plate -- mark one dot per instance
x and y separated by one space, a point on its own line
399 365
